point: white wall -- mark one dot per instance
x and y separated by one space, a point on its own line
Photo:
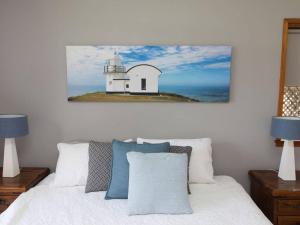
115 85
140 72
33 36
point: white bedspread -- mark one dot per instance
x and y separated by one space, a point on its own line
222 203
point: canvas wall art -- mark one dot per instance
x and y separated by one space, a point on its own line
148 73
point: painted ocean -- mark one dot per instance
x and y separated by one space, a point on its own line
202 94
76 90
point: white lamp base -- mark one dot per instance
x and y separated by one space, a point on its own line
10 162
287 162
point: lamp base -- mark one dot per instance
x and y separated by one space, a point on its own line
287 162
10 162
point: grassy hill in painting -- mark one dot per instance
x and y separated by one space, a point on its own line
103 97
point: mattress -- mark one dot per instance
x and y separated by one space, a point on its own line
222 203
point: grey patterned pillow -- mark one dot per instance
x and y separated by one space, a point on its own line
188 151
100 159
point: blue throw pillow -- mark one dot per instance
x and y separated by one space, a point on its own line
118 186
157 184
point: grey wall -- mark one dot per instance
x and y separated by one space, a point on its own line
33 35
293 59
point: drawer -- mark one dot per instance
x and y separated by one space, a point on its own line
288 220
288 207
6 200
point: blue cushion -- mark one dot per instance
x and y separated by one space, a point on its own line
157 184
118 187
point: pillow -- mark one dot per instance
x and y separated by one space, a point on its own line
100 157
183 150
72 164
157 184
118 186
201 169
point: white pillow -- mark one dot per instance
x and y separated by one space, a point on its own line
201 169
72 164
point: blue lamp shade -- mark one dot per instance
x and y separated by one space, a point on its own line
12 126
287 128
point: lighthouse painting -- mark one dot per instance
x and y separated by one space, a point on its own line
148 73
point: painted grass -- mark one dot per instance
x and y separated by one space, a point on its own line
103 97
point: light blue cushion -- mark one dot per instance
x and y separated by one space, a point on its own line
157 184
118 187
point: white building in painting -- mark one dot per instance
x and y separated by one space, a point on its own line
139 79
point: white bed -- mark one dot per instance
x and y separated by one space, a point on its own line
222 203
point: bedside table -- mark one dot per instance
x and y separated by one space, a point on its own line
12 187
278 199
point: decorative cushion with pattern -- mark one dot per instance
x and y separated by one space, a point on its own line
188 151
100 159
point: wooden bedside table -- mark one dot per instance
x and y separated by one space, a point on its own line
278 199
12 187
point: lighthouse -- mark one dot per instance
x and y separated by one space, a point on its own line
116 78
140 79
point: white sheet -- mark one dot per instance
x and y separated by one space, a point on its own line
222 203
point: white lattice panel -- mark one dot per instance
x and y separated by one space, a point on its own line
291 101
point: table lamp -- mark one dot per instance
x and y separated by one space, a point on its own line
12 126
288 130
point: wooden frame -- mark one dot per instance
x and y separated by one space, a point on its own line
287 24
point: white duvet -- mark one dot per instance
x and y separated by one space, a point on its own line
222 203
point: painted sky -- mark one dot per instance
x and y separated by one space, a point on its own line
180 65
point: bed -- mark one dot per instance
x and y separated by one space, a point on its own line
223 203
